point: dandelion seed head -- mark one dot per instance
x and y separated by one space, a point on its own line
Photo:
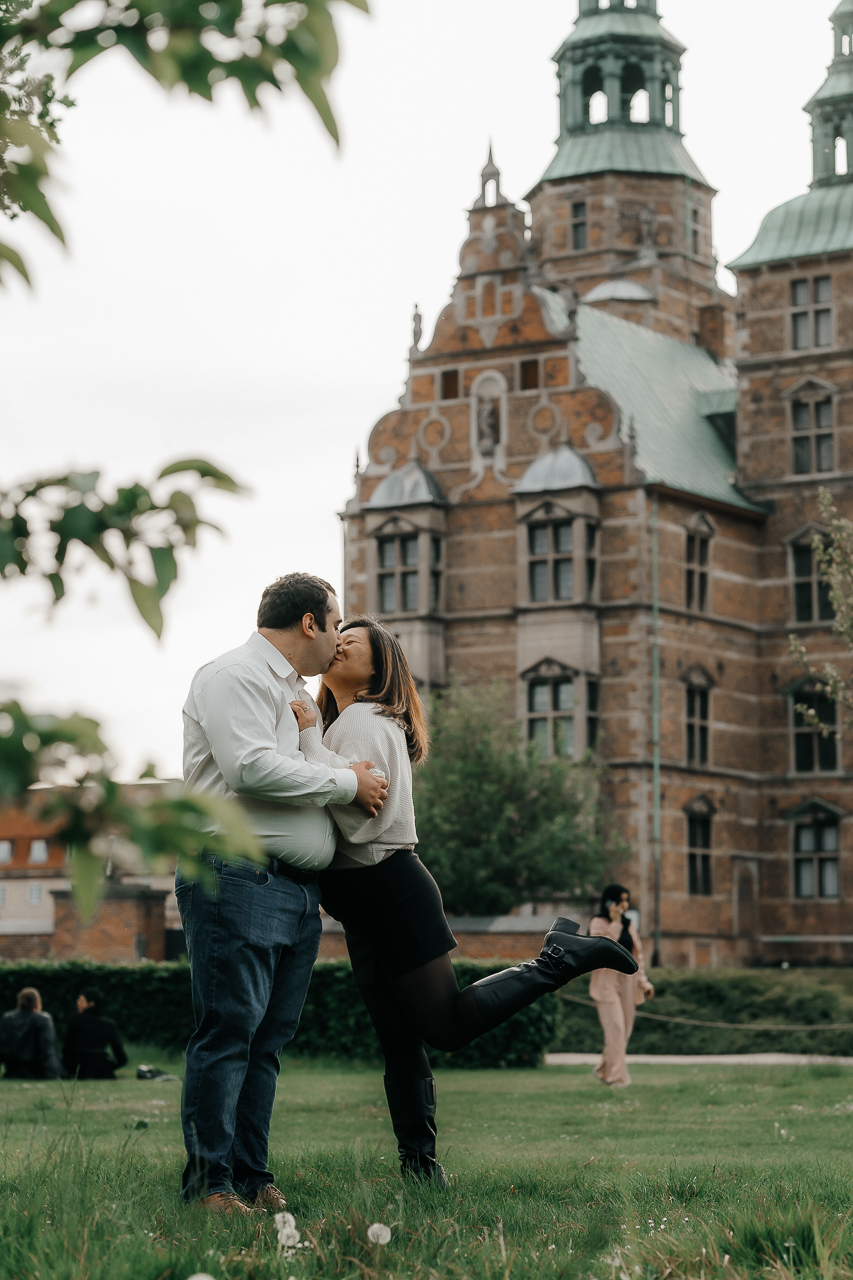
378 1233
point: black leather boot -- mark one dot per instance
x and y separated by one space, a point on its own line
564 956
411 1101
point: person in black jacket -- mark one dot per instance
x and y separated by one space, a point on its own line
28 1040
89 1037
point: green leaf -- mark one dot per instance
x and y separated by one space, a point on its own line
14 259
207 471
147 602
87 882
165 568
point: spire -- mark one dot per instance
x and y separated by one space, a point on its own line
490 173
620 94
831 108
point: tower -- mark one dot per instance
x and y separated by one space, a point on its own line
623 211
831 108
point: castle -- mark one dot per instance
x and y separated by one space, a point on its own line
601 485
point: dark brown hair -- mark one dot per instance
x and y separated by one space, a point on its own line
28 998
287 600
391 687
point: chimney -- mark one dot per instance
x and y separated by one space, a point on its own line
712 331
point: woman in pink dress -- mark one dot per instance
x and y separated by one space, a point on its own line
617 995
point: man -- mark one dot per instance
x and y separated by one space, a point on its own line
253 940
88 1038
28 1040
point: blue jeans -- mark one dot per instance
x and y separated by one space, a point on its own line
252 943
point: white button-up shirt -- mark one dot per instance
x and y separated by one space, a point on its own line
241 739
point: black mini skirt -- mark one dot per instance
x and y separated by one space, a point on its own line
392 915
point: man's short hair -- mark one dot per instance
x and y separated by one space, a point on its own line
287 600
28 998
92 996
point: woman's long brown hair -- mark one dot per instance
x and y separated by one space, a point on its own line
391 687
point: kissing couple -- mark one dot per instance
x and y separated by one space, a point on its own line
327 787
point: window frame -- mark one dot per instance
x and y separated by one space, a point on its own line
551 715
579 225
553 563
811 324
806 428
415 577
817 859
826 747
698 572
819 606
697 718
700 879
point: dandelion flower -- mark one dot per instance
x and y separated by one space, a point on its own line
201 1275
285 1225
378 1233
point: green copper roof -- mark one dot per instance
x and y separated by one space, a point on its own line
610 23
845 8
819 222
663 386
634 148
838 83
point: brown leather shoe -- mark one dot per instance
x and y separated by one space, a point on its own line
270 1198
227 1203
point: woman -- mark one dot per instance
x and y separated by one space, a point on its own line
616 993
397 935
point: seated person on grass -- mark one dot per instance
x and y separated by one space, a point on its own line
28 1040
89 1038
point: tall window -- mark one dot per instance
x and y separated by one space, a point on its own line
814 753
550 723
590 561
38 851
435 573
591 714
811 314
579 239
7 849
699 857
552 565
811 593
450 384
815 874
813 449
529 375
398 574
696 578
695 238
697 725
34 895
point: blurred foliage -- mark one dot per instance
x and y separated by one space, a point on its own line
178 42
105 831
497 824
153 1005
134 533
833 554
28 123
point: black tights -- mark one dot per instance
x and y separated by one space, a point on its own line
425 1004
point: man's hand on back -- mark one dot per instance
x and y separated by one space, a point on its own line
371 791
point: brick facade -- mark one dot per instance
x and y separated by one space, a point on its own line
502 387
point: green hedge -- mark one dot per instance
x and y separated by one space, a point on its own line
812 997
151 1004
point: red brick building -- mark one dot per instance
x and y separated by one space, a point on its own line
585 406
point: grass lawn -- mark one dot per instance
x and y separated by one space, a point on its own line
692 1172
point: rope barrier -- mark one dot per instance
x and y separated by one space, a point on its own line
728 1026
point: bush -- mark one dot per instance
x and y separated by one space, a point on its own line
152 1005
814 998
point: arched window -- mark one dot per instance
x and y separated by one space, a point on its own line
841 155
640 107
633 82
594 98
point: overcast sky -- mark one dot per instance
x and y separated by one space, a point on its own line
236 288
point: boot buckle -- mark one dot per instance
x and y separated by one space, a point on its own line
554 951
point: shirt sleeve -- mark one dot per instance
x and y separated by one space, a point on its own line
364 735
237 712
312 747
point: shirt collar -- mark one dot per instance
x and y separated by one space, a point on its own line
272 657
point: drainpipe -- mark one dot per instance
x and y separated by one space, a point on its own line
655 732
